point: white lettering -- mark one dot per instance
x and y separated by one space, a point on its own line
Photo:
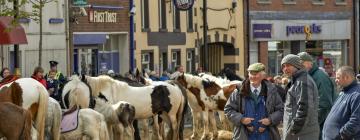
103 17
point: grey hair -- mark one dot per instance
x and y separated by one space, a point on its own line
347 70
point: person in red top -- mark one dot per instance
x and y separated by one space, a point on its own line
38 75
7 77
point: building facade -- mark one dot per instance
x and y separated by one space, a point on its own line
53 31
99 36
323 28
166 37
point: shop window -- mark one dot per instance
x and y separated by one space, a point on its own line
145 15
190 61
147 61
162 14
190 24
176 20
175 58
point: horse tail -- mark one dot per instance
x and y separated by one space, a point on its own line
26 132
104 132
56 122
183 112
78 98
41 114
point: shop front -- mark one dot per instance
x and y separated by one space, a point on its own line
326 40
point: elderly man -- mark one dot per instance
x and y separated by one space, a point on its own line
301 116
256 109
324 85
343 121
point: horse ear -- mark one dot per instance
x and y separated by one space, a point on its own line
83 77
137 72
130 71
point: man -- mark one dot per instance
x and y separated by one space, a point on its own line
324 85
300 115
59 77
256 109
178 71
343 121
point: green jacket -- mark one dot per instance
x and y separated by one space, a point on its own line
326 88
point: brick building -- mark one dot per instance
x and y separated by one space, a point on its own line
99 36
323 28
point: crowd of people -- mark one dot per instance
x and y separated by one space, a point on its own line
304 100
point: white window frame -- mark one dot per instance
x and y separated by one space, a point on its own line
144 61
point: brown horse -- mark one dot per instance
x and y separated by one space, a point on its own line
15 122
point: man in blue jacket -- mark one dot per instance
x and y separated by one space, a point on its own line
343 121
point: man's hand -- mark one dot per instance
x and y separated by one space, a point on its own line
265 121
246 121
261 129
250 128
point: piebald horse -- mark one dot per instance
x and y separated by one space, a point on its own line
53 120
168 101
31 95
15 122
205 96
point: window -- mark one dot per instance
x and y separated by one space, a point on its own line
190 60
289 1
147 60
340 2
318 2
176 20
145 15
175 58
190 24
264 1
162 14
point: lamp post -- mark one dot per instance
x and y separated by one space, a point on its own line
16 46
132 48
205 27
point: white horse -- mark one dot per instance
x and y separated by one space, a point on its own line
76 92
34 98
91 124
166 100
205 96
53 120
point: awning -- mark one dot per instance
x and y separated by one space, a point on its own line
89 39
16 34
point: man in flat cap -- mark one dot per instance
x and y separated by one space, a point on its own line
256 109
324 85
55 80
300 115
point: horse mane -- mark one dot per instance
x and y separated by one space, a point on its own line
106 109
194 81
132 83
101 82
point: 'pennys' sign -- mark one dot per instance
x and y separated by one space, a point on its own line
183 4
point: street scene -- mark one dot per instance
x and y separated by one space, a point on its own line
179 69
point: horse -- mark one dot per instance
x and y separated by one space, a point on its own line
76 93
168 101
53 120
91 124
205 96
31 95
229 74
119 116
15 122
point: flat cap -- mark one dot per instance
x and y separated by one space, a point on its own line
256 67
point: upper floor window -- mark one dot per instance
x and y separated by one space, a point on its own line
289 1
340 2
176 20
162 14
264 1
190 24
144 14
318 2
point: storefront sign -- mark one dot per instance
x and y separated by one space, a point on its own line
102 16
183 4
262 30
308 30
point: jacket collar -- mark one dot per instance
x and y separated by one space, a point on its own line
347 88
246 90
313 69
297 74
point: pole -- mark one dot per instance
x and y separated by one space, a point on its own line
132 57
205 27
16 46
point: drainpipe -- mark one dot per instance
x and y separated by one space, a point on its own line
16 46
132 48
66 16
205 27
356 21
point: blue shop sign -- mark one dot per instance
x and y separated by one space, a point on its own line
262 30
308 30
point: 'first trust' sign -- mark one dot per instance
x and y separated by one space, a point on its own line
308 30
102 16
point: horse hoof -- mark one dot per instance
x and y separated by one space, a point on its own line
193 136
205 137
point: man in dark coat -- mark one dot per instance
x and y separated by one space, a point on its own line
343 121
257 109
325 86
59 80
300 115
